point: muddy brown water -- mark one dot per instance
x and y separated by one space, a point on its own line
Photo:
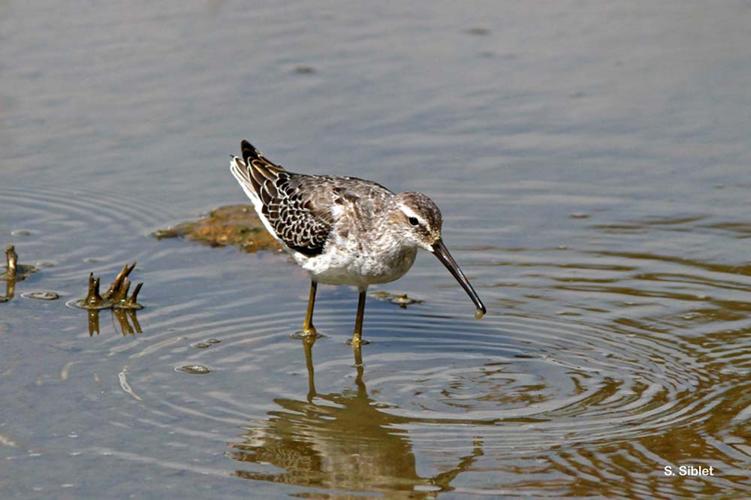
592 163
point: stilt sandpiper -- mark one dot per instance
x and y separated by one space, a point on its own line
344 230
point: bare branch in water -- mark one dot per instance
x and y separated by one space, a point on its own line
92 297
11 261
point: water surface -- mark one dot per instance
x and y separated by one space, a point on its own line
591 162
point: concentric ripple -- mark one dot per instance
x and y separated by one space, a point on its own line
593 369
78 226
503 374
509 387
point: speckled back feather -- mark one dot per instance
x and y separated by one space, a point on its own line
287 208
301 210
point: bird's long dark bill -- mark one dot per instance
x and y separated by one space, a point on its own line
440 251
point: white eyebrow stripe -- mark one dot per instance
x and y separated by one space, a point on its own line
411 213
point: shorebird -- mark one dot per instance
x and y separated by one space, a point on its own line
344 230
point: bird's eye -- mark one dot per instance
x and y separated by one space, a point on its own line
414 221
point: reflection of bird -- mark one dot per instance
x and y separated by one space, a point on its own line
341 441
343 230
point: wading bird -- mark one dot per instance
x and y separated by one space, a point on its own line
344 230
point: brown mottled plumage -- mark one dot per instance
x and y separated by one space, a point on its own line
344 230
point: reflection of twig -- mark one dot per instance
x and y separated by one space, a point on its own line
93 322
10 290
131 314
127 321
132 301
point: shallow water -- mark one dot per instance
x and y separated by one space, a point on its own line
592 165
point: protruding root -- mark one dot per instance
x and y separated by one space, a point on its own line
11 261
134 297
15 271
132 301
116 296
114 288
93 299
120 292
10 291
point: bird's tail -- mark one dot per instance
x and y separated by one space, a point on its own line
253 169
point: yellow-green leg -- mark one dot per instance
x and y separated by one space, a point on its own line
307 326
357 334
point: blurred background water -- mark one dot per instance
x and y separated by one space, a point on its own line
591 160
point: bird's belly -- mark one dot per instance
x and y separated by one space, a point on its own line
358 269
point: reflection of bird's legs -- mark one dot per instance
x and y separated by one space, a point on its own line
307 344
307 327
360 367
357 334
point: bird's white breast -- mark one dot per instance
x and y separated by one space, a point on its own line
347 262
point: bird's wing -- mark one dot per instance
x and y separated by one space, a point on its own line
299 209
289 205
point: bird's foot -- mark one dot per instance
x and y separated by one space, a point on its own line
307 332
357 341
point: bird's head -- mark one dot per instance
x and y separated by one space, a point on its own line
419 220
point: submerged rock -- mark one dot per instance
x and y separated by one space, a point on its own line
205 345
42 295
194 369
400 299
236 225
304 70
478 31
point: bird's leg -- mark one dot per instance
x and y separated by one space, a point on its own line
357 334
307 326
